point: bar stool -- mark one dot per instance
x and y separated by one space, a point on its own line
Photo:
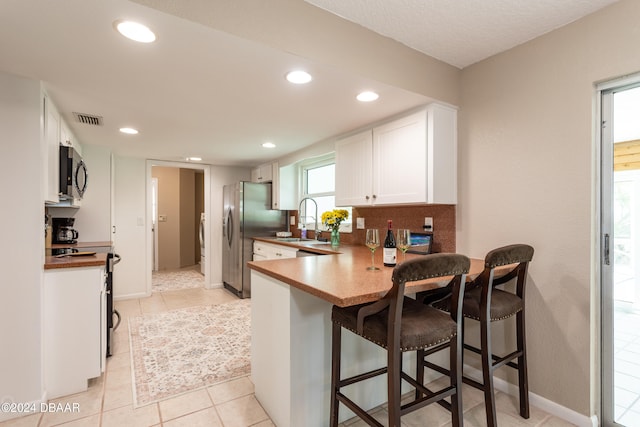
486 304
400 324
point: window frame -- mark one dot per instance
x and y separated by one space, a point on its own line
304 167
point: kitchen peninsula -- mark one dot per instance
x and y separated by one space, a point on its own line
291 330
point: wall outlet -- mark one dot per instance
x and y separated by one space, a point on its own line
360 223
162 218
292 220
428 223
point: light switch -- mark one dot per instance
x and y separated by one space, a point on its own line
360 223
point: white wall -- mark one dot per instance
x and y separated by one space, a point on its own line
129 277
527 162
22 251
93 219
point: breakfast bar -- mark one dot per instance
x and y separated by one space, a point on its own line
291 331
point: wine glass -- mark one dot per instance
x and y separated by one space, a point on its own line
372 242
403 241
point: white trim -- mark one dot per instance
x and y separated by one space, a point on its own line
540 402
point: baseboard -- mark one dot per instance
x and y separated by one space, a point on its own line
131 296
11 414
546 405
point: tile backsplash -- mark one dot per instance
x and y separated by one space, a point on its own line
411 217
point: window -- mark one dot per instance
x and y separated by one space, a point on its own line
318 179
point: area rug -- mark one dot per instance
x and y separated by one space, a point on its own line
174 280
183 350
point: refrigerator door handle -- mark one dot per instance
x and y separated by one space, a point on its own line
229 227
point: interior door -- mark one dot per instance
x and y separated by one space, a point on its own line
620 267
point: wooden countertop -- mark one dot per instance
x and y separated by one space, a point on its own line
69 261
81 245
53 262
342 278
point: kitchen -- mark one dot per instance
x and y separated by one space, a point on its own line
534 100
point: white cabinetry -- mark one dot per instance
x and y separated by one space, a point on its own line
411 160
263 173
74 328
51 137
262 250
282 184
67 137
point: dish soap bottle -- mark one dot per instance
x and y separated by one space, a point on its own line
303 233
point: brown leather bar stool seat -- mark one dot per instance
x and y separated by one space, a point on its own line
485 303
399 324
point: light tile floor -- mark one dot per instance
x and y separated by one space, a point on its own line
109 402
627 366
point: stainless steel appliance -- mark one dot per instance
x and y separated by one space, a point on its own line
247 214
112 260
63 231
73 174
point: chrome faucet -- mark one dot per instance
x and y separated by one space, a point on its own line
316 232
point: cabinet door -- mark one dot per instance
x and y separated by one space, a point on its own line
65 134
51 120
353 170
400 161
442 159
263 173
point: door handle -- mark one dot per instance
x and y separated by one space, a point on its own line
607 260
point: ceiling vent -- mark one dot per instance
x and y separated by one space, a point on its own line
88 119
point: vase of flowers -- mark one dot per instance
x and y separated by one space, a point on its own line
332 220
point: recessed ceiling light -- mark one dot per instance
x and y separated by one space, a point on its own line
135 31
299 77
367 96
194 159
269 145
130 131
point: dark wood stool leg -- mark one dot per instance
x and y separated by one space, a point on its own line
336 342
455 378
487 372
523 379
394 358
419 370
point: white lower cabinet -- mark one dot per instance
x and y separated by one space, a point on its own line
74 329
410 160
262 251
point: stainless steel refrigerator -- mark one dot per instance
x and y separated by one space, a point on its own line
247 214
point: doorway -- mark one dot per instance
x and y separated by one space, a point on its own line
620 217
178 197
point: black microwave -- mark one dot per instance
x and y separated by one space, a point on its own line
73 174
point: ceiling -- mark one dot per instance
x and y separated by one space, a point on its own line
201 92
461 32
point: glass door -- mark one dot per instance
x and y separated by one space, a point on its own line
620 215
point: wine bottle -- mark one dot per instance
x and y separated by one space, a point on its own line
389 250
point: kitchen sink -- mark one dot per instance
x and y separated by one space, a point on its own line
298 239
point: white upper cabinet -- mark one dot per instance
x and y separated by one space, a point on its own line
411 160
263 173
51 137
354 159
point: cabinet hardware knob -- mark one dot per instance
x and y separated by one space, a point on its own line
366 197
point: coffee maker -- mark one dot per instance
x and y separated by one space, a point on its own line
63 231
